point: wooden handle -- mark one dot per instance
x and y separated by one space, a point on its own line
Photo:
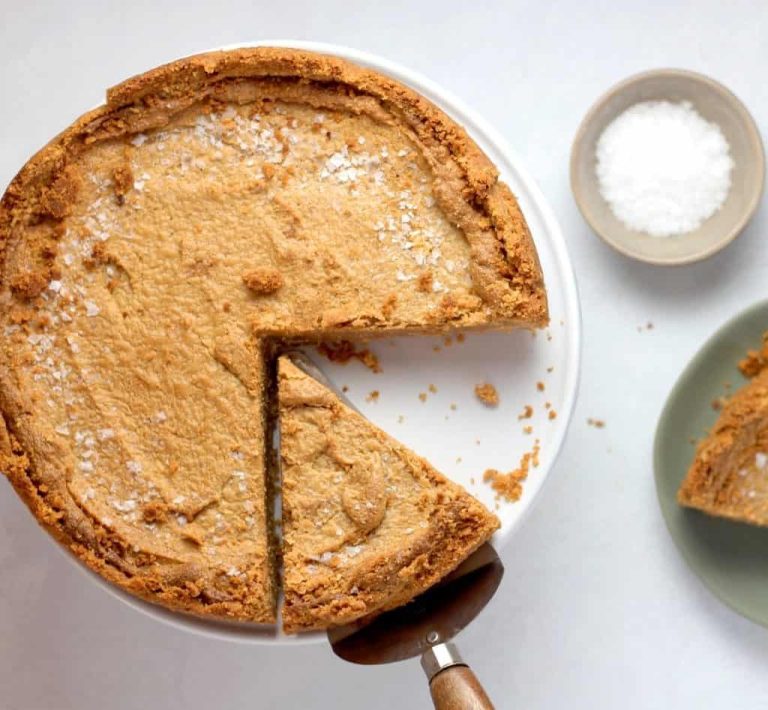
457 688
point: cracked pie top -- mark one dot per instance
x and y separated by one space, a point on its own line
156 253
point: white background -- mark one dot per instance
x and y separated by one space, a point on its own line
597 609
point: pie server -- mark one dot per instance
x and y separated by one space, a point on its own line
425 626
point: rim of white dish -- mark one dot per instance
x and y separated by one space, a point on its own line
477 127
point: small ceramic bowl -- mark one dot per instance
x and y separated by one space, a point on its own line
715 103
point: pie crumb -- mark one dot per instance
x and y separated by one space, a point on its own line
263 281
122 179
344 351
540 386
487 394
597 423
423 396
509 486
389 306
527 412
755 361
552 414
154 512
373 396
425 282
432 389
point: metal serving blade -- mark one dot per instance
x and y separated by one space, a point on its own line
432 618
311 368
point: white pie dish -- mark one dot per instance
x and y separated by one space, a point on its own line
514 362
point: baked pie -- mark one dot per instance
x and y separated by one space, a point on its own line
157 254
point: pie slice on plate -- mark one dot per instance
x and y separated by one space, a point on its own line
367 524
729 474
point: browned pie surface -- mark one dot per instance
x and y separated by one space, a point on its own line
729 474
152 252
367 524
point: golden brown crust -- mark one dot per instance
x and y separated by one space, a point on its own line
728 475
504 266
416 526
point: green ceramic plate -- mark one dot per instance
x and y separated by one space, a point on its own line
730 558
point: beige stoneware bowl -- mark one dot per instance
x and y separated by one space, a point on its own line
715 103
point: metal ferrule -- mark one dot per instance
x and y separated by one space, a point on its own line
439 657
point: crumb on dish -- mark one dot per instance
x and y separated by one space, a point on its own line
509 486
755 361
487 394
343 351
718 403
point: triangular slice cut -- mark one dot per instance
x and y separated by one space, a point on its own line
367 524
729 474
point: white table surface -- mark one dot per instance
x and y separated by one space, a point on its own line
597 608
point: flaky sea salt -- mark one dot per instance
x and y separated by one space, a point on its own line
662 168
91 309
